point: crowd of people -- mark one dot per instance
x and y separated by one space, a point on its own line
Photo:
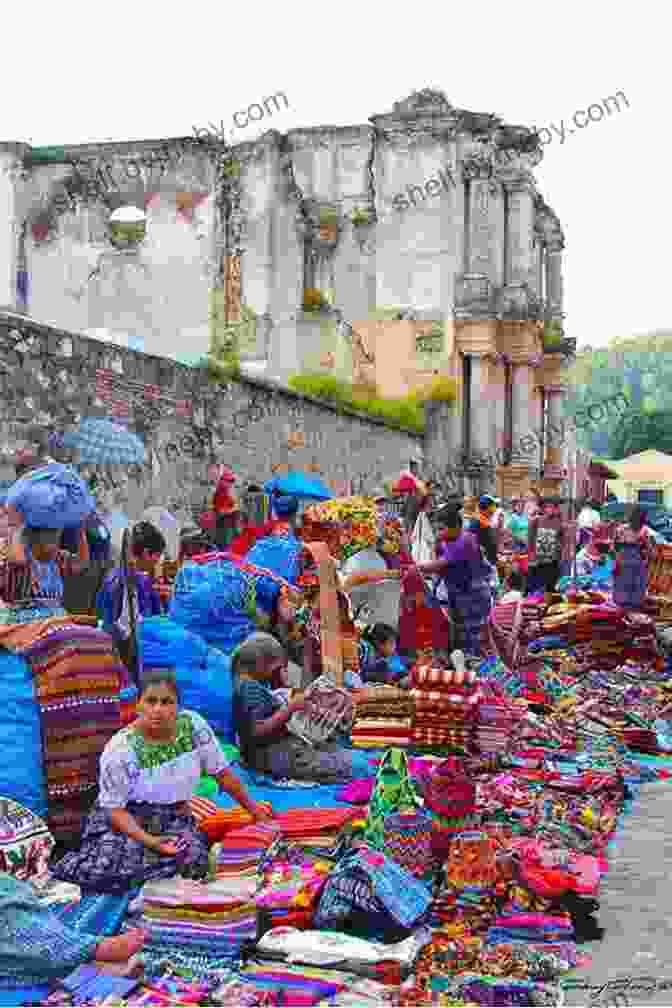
451 569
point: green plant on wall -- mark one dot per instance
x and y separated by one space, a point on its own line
391 314
360 217
127 234
552 333
431 343
407 413
314 300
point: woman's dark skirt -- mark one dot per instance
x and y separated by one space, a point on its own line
111 862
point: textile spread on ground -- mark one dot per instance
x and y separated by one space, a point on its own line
462 870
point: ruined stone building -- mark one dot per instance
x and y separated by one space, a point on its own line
386 253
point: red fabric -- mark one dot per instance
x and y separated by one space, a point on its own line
223 500
243 543
208 521
421 627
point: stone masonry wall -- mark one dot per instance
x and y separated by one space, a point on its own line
49 379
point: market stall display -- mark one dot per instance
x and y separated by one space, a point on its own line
466 866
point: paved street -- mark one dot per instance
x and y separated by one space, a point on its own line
636 906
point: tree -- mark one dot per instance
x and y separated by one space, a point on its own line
640 368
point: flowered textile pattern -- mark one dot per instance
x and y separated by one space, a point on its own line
34 945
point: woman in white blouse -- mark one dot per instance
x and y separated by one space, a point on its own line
141 827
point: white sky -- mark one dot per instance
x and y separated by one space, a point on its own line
90 72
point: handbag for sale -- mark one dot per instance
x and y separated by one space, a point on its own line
368 891
408 841
393 792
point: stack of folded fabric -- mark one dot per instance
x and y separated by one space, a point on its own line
217 917
382 718
315 829
495 722
531 929
237 854
216 822
445 706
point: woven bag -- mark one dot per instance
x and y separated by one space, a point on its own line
451 796
408 841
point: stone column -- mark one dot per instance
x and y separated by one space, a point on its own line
554 275
520 232
11 156
481 211
525 442
555 426
480 408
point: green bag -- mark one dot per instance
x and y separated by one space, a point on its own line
393 792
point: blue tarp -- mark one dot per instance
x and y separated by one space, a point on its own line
203 673
22 764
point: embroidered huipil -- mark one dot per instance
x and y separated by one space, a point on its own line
134 770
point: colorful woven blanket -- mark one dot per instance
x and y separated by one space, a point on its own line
77 683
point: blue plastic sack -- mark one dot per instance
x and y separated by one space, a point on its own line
278 553
218 602
52 496
164 644
22 765
203 674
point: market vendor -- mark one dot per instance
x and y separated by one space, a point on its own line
265 743
595 558
32 573
147 546
226 509
463 576
634 547
148 774
33 566
546 539
518 525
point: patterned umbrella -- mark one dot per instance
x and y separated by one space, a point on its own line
101 442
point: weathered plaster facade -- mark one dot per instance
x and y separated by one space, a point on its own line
232 259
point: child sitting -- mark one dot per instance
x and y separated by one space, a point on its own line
382 664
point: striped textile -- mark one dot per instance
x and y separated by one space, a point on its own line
217 917
77 684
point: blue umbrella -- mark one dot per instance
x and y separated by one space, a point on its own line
52 496
101 442
299 485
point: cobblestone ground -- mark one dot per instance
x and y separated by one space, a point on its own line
635 900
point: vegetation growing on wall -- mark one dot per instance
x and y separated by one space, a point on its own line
407 412
224 368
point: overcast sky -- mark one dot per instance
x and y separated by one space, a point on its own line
126 71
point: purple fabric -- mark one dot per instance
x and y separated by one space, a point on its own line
357 792
465 559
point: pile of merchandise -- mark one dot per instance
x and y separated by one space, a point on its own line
347 524
383 717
